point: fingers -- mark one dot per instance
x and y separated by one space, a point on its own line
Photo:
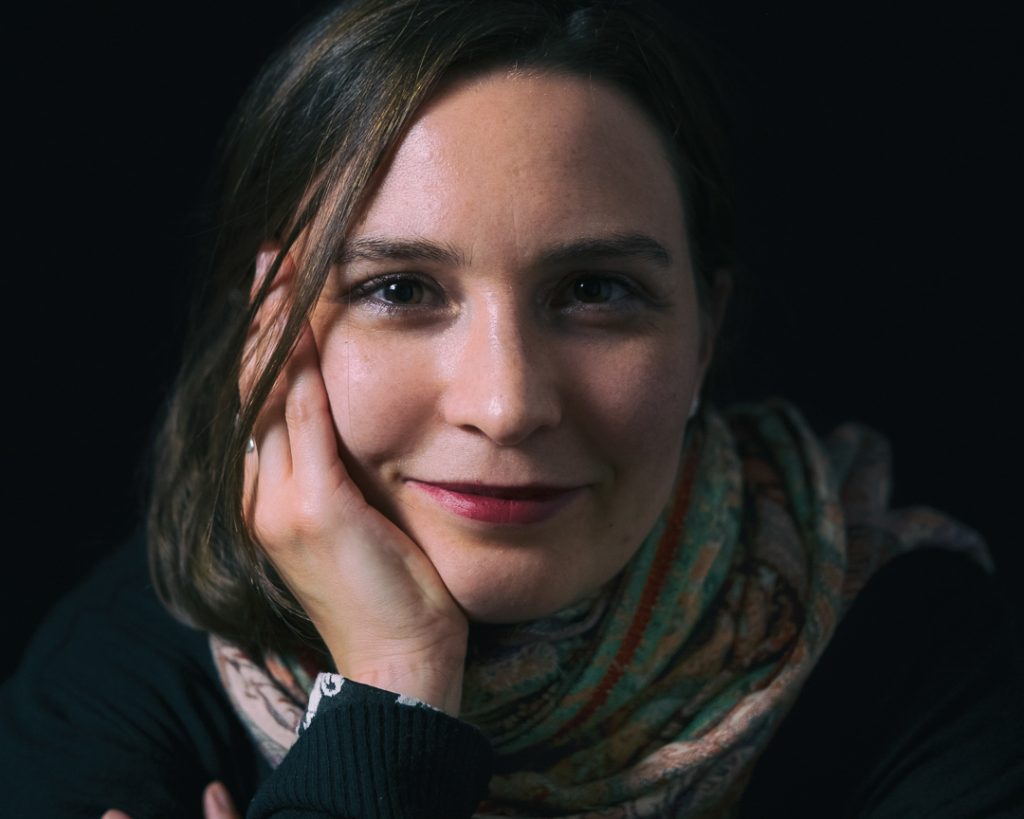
217 803
314 450
295 420
295 465
273 454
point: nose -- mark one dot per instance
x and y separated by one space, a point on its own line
501 382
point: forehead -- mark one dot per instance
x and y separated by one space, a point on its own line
508 162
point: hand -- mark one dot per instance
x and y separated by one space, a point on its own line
373 595
217 804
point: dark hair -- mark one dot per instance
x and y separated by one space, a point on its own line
302 154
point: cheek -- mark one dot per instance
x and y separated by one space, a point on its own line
378 399
637 417
636 404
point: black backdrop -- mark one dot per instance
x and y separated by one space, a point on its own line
879 183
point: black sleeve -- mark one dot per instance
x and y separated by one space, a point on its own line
368 755
916 709
116 705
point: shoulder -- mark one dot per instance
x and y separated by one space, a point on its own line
914 708
126 699
114 607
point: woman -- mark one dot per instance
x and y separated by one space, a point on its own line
439 439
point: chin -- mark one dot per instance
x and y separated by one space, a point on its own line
513 588
508 612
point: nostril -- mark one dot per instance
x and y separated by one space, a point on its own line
507 411
500 382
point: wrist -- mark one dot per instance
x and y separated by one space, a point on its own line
431 673
437 685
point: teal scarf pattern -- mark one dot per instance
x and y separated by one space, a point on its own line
655 698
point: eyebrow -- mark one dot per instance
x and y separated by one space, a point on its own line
373 249
613 246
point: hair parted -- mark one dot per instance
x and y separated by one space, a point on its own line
301 157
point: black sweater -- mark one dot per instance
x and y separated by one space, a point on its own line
915 709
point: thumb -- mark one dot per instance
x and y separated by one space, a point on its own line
217 803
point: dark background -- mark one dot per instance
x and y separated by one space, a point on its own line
879 186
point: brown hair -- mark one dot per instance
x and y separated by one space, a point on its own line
302 154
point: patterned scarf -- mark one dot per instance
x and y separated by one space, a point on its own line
656 698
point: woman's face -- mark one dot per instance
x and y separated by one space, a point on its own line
512 342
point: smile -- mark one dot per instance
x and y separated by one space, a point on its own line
510 505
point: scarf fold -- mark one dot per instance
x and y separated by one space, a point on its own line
656 697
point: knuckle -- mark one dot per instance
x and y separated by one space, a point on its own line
297 413
265 528
295 519
306 521
304 403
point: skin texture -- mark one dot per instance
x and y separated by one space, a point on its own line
483 356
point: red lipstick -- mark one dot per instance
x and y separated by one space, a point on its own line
514 505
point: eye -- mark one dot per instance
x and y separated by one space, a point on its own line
401 291
596 289
592 289
395 292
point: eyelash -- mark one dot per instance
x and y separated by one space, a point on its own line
364 293
631 293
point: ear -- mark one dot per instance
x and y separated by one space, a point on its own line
720 291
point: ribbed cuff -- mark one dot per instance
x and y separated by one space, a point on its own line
369 753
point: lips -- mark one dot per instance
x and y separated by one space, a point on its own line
502 505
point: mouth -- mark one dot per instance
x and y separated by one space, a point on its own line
502 505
